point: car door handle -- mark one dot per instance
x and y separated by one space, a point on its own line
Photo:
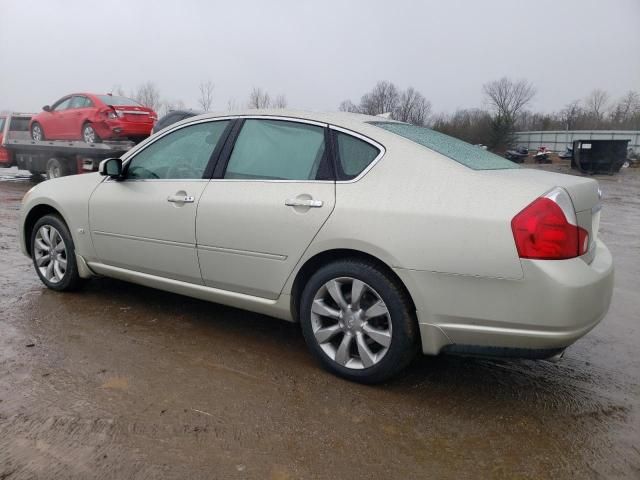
303 202
180 199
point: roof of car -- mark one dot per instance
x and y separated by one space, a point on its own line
355 121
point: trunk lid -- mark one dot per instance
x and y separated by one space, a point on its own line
584 192
136 114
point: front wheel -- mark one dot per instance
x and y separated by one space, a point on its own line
53 254
358 321
37 133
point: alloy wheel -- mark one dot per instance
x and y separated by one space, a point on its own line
351 323
50 253
89 134
36 133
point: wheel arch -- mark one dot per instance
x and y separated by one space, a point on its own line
312 264
37 212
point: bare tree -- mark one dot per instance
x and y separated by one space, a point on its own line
348 106
259 99
412 107
596 104
118 90
206 95
280 102
232 105
148 95
383 98
507 97
571 113
169 105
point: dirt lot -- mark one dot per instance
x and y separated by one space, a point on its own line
120 381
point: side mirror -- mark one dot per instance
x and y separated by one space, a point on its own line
111 167
46 108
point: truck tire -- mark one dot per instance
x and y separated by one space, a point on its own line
57 168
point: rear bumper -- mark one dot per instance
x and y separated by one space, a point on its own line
120 128
553 305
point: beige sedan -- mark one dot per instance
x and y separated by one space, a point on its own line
379 237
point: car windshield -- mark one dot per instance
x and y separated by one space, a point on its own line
113 100
471 156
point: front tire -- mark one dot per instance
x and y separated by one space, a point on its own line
358 321
37 133
53 254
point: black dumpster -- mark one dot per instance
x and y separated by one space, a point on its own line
599 156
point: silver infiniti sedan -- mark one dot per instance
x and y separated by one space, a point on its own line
379 237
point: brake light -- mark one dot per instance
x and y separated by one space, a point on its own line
112 114
547 229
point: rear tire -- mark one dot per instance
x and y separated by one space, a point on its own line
57 168
370 333
37 132
53 254
89 134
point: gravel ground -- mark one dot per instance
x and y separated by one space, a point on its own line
121 381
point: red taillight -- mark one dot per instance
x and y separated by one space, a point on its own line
542 230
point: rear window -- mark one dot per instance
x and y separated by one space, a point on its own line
19 124
468 155
115 101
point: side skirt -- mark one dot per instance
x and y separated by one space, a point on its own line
279 308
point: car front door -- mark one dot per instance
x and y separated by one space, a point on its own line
146 222
269 197
54 121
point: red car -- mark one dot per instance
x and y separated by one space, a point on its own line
92 118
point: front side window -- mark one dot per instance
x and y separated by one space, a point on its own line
182 154
277 150
354 155
62 105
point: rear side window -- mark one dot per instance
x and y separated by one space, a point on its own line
468 155
277 150
354 155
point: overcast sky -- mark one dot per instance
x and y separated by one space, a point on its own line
317 53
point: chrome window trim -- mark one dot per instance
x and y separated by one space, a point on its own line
370 141
128 156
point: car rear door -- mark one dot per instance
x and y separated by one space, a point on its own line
272 192
146 222
79 110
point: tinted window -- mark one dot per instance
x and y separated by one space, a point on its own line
462 152
354 155
1 124
19 124
62 104
184 153
113 100
277 150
